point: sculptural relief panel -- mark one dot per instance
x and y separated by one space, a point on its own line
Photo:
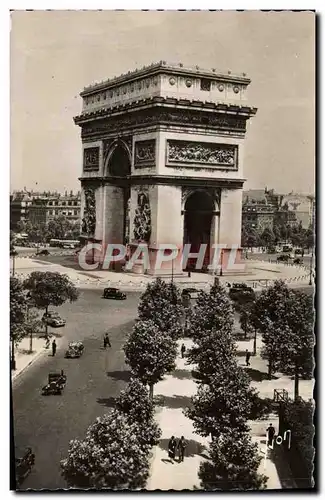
91 158
145 153
188 153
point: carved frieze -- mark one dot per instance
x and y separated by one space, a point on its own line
214 120
142 219
145 153
91 158
202 153
89 216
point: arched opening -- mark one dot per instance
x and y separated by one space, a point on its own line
119 168
119 164
198 213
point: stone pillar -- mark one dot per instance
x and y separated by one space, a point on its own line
230 225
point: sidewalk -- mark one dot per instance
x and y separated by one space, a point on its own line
24 358
173 394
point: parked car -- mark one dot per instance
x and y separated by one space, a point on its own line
284 258
43 251
52 318
113 293
192 292
238 288
24 462
298 260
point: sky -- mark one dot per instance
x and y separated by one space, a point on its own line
54 54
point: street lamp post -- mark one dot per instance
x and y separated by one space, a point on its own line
221 262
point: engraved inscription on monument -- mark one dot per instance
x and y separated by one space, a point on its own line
91 158
188 152
145 153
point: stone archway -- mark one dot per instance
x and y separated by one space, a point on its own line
117 173
198 215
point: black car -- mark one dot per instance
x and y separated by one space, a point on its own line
238 289
44 251
113 293
25 460
283 258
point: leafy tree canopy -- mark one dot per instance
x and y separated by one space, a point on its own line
50 289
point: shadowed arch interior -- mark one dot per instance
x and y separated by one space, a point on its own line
119 162
198 213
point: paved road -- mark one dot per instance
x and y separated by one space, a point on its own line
48 423
273 257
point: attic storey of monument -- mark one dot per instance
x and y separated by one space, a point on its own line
161 134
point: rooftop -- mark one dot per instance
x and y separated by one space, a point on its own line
167 67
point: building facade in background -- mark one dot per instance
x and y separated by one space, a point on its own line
163 151
40 208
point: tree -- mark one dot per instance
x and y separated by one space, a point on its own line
18 312
110 456
33 325
212 311
58 227
150 353
267 238
286 319
243 299
209 351
226 403
138 407
233 465
50 289
162 303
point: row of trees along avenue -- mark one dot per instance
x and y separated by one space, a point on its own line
39 291
270 237
57 228
116 450
224 400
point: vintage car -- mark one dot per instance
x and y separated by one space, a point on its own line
75 350
298 260
237 291
284 258
24 461
53 319
43 251
113 293
55 384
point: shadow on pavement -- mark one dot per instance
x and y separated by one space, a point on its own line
120 375
182 374
173 402
193 447
108 402
257 375
283 469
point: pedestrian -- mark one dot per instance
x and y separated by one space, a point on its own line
270 434
107 342
183 349
172 448
53 347
181 449
248 355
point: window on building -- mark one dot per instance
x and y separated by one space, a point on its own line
205 84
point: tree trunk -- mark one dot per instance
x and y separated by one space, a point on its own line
254 345
46 325
296 384
270 368
31 334
151 391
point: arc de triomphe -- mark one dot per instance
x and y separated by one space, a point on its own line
163 151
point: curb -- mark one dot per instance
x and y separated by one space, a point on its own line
15 376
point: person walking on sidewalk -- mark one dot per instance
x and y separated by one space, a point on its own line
270 434
107 342
248 356
53 348
172 448
183 349
181 449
